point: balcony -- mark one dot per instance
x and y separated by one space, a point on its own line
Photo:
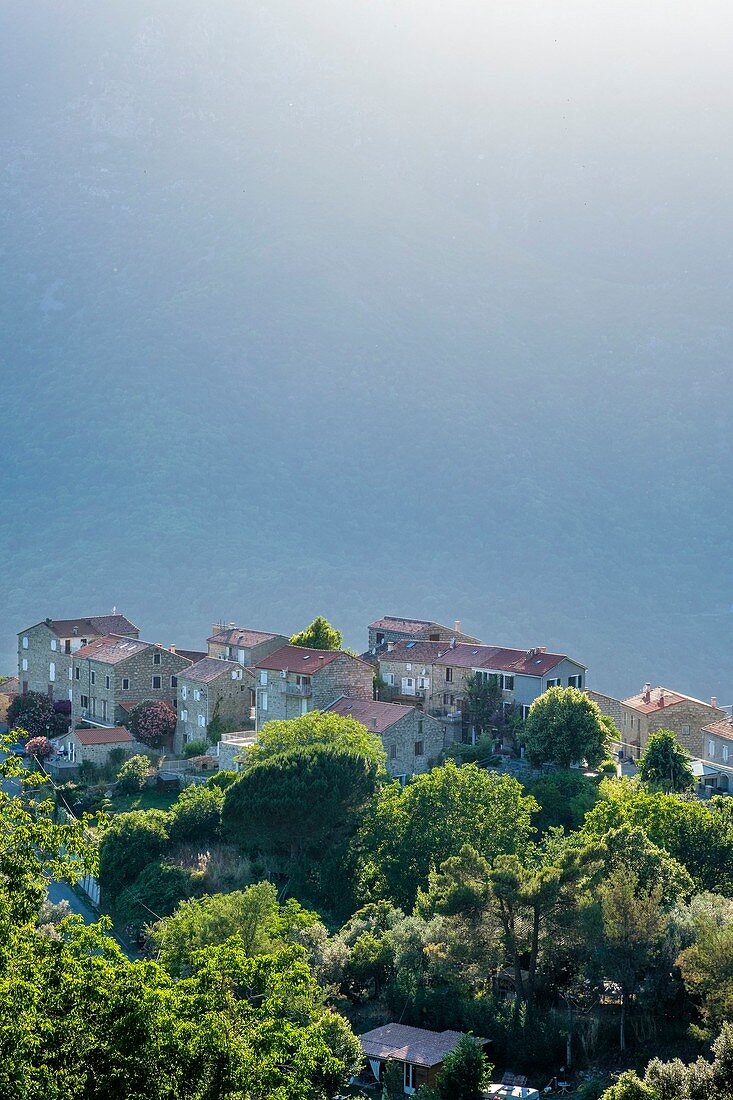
299 691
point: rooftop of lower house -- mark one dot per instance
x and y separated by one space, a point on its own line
115 735
398 625
375 715
522 662
724 728
411 1044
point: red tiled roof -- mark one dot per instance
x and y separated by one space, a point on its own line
211 668
242 637
373 714
724 728
411 1044
295 658
533 662
118 735
193 655
660 698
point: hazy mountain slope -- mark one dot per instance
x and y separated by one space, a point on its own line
367 311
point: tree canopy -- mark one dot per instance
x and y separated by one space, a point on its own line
665 765
319 635
316 729
153 723
565 727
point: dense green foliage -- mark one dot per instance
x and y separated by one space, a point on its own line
319 635
665 764
133 774
313 730
416 827
565 727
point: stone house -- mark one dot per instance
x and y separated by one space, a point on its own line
213 688
293 680
435 673
95 745
229 750
413 741
418 1053
247 647
45 650
391 628
660 708
112 672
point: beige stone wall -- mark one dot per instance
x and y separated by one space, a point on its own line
345 675
415 730
686 720
102 683
232 697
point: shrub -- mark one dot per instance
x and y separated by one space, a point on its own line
40 747
33 712
88 771
195 748
153 723
133 774
131 842
222 779
156 892
196 814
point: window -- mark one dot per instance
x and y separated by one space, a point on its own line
423 682
156 658
393 752
711 749
263 700
408 667
157 681
25 642
388 678
71 673
77 672
420 724
104 710
575 681
125 683
184 691
419 748
184 715
202 720
84 700
25 664
52 672
106 682
725 753
93 677
508 683
53 644
448 700
555 683
94 706
263 677
525 713
174 681
67 645
380 637
71 695
197 694
408 685
685 731
449 676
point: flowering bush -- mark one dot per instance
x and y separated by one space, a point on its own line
153 723
40 747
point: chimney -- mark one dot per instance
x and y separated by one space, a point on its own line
457 626
714 701
390 646
453 643
647 692
171 649
216 628
661 697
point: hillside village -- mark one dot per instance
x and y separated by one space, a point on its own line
452 832
409 685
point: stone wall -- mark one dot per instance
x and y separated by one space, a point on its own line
414 732
230 699
35 663
102 683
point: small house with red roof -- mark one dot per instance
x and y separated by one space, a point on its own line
94 745
656 708
294 679
413 740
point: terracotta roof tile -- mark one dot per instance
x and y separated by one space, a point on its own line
724 728
89 625
659 698
247 639
295 658
113 649
118 735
